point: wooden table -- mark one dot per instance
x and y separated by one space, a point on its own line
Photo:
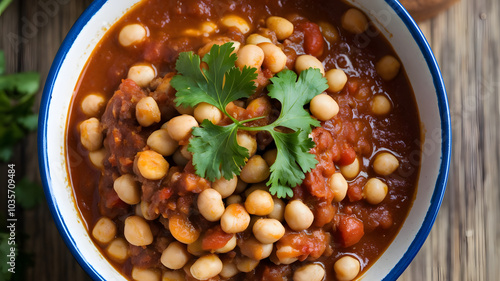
465 241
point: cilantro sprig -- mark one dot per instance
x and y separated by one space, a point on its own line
216 153
17 96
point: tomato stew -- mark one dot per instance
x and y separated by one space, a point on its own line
135 184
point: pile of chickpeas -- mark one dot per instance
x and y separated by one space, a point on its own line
241 203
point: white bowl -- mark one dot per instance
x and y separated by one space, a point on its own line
390 18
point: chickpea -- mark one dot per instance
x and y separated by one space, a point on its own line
329 31
175 256
230 245
255 39
180 127
255 170
151 165
92 104
254 187
247 141
137 231
225 187
173 276
388 67
97 158
127 189
190 32
91 135
183 110
236 46
354 21
352 170
246 264
117 250
185 152
324 107
179 159
270 156
310 272
304 62
381 105
298 216
210 204
161 142
268 231
142 74
375 191
221 41
206 267
274 58
183 230
196 248
255 250
104 230
234 199
338 185
144 209
132 34
346 268
236 21
281 26
235 219
229 270
385 164
208 27
259 203
250 56
145 274
207 111
240 186
336 80
147 112
278 212
253 220
286 255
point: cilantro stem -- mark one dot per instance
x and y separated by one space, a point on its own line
263 128
235 121
252 119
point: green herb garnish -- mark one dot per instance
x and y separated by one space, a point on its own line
216 152
17 95
3 5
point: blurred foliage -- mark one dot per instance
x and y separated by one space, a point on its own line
17 96
3 5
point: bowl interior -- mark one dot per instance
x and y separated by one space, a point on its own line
390 18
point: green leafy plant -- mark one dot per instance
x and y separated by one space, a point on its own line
216 152
4 4
17 96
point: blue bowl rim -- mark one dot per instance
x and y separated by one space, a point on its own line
444 111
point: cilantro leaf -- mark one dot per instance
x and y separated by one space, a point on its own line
216 152
17 96
293 115
20 84
292 161
218 85
2 61
3 5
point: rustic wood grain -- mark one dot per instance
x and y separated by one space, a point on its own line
465 241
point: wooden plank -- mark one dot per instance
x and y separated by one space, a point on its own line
41 26
464 244
53 260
